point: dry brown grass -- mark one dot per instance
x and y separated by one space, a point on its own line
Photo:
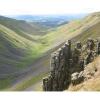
92 84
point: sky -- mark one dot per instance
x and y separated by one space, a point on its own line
42 7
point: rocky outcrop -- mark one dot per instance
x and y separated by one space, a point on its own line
91 76
67 64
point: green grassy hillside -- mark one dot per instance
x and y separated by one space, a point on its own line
15 50
22 26
79 29
92 30
22 42
18 47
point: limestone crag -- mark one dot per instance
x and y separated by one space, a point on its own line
68 62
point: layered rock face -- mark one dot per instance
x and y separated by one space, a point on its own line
67 64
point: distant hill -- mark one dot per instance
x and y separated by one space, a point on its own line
21 26
49 20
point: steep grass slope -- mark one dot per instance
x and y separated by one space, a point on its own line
17 50
21 25
78 30
19 44
92 30
14 49
23 28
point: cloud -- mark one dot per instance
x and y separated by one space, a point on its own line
14 7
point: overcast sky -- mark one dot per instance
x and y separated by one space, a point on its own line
15 7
